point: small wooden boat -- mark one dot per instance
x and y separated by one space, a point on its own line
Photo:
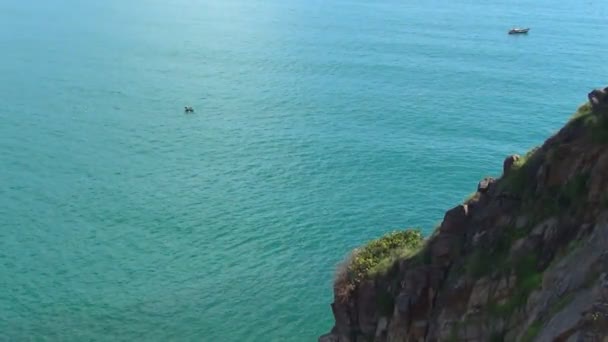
188 110
518 30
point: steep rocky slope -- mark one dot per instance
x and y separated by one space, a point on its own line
524 259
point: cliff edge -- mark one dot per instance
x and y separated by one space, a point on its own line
524 259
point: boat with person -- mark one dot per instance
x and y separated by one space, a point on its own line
517 30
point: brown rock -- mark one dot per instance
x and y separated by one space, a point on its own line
604 287
508 163
441 248
521 222
397 331
474 330
367 302
504 288
382 326
444 248
402 303
455 219
478 237
342 317
412 286
504 221
480 295
435 277
541 178
521 248
547 227
446 329
418 330
598 180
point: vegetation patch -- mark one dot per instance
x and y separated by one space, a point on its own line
597 124
557 198
583 112
484 261
517 181
528 280
379 255
573 191
532 331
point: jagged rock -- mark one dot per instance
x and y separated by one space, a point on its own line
344 324
598 182
504 221
598 98
381 327
485 184
474 329
397 329
521 222
504 288
455 220
441 248
435 277
480 295
329 338
402 303
523 247
508 163
536 303
541 178
445 329
444 248
604 286
367 300
568 320
478 237
413 286
540 229
557 285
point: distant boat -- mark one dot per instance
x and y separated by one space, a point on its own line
188 109
518 30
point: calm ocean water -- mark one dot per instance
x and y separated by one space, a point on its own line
319 125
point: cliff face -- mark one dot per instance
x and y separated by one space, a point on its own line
524 259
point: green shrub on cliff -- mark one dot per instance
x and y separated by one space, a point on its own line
597 124
379 255
582 112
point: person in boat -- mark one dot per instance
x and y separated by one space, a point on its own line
188 109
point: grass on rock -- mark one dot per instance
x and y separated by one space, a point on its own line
379 255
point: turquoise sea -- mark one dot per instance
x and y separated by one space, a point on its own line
319 125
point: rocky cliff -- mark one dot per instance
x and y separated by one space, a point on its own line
524 259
